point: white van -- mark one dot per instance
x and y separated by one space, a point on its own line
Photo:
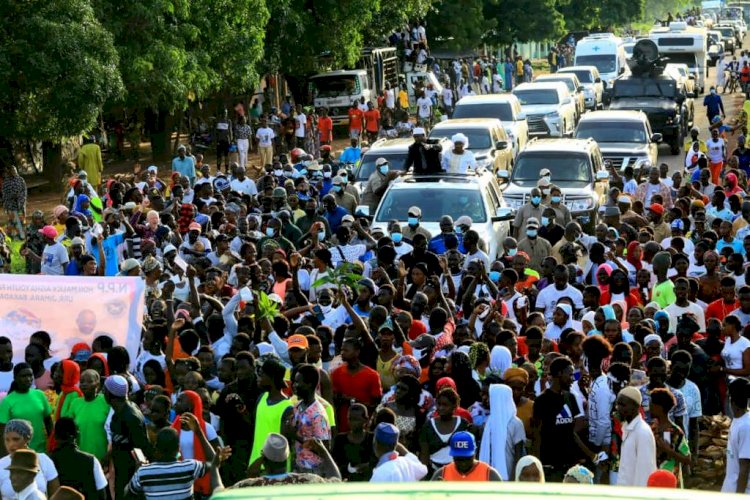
606 52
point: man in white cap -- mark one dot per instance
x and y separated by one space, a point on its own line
378 183
638 450
413 227
459 159
424 158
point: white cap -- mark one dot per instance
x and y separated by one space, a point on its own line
152 168
169 248
380 161
419 131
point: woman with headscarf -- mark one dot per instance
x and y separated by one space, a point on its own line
579 474
17 435
198 438
619 290
500 360
82 205
408 365
67 376
518 380
692 156
504 436
731 187
459 159
529 470
562 319
409 416
480 360
98 362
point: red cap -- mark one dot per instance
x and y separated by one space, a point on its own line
662 479
656 208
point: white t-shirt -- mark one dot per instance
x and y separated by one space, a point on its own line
6 378
266 135
715 150
732 352
447 97
246 186
548 297
54 257
47 473
390 98
738 448
187 449
676 311
301 120
424 105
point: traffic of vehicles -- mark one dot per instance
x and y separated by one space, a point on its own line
611 110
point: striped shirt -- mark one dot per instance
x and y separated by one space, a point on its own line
168 480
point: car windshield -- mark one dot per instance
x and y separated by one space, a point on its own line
645 87
478 139
727 32
603 132
434 201
334 86
584 76
499 110
396 161
568 169
531 97
605 63
567 81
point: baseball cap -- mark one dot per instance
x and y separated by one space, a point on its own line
678 224
415 211
386 433
80 352
194 226
380 161
77 241
337 181
463 445
153 168
347 218
297 341
657 208
611 212
48 232
418 131
532 223
544 172
276 448
464 220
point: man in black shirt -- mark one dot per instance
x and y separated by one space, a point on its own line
557 422
421 254
550 230
424 157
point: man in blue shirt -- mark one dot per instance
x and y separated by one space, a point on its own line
183 164
333 213
438 244
352 154
713 104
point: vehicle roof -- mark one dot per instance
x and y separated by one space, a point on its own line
442 180
487 98
398 145
614 115
570 69
340 72
468 123
582 145
457 490
555 77
541 86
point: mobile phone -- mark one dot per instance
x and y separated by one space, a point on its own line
139 456
318 312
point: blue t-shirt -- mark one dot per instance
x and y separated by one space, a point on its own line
185 166
350 155
109 245
735 244
713 104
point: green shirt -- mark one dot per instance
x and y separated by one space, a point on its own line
32 406
267 420
68 403
90 417
664 294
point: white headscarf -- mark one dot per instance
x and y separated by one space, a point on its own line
502 411
461 138
530 460
500 360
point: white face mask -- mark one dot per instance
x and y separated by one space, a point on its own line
325 309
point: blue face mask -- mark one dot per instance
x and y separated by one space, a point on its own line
531 233
383 169
413 221
321 235
512 252
338 189
555 199
303 172
494 276
458 230
397 237
545 221
536 200
269 232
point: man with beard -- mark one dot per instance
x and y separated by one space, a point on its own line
234 407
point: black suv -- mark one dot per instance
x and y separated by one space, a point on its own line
660 98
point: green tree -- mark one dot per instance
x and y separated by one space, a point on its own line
459 24
530 20
392 15
58 65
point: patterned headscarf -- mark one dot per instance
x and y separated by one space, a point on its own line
407 362
21 427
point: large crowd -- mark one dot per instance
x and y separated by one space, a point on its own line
286 341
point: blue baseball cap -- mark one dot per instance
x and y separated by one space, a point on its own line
386 433
463 445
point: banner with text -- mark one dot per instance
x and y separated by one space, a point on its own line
71 309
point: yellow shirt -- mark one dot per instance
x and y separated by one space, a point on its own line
403 99
688 145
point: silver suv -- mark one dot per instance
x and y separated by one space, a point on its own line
577 168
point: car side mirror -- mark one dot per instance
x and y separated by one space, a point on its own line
362 211
503 175
501 145
656 137
503 214
602 175
598 80
691 77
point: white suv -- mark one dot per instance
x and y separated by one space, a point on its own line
593 89
549 107
504 107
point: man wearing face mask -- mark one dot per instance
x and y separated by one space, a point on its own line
325 185
399 245
532 209
562 213
550 230
413 227
312 216
535 247
273 234
194 236
378 182
343 198
713 104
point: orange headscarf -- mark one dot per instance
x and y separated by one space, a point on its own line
71 375
203 484
103 359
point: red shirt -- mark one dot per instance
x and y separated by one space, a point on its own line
355 119
372 120
719 309
362 386
325 126
417 329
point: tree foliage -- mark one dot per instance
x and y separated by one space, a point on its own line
530 20
460 24
58 65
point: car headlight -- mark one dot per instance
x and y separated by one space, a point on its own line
581 205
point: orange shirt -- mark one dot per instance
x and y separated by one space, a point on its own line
372 120
355 119
745 74
325 126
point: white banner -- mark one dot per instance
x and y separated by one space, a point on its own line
71 309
